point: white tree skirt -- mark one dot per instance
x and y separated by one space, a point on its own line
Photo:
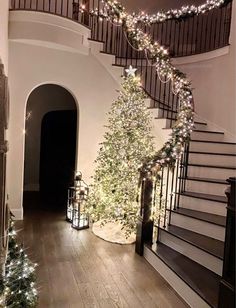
113 233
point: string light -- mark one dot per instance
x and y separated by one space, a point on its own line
161 16
18 281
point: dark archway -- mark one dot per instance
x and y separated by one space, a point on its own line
50 146
57 156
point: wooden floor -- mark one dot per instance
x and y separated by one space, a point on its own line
77 269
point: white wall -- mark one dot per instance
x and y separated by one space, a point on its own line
4 4
87 80
42 100
214 83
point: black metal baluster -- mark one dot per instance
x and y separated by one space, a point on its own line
161 189
171 193
187 39
166 198
176 183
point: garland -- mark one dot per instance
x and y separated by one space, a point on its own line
162 16
181 86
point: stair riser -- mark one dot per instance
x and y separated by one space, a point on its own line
96 47
194 253
198 226
212 173
200 126
212 147
203 205
187 293
206 187
217 160
207 136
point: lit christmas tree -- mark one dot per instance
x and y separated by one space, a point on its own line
19 278
127 142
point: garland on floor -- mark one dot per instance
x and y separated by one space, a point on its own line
161 16
18 282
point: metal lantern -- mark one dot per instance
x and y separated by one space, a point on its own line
80 219
69 211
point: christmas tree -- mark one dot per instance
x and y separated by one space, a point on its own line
19 278
127 142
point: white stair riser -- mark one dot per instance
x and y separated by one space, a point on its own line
212 173
217 160
203 205
147 102
191 297
206 187
212 147
200 126
162 122
96 47
207 136
194 253
198 226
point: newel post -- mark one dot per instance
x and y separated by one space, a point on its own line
227 283
145 224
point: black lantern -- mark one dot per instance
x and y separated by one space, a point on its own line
80 219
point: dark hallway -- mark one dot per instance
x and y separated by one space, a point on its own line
57 157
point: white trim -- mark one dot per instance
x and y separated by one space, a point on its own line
18 213
201 57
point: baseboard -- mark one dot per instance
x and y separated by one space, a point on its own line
188 295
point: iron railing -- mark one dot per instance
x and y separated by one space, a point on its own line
193 35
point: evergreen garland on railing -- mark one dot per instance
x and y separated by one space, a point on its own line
161 16
181 86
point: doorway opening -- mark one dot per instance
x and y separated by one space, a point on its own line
57 155
50 147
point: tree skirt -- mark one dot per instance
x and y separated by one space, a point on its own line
113 233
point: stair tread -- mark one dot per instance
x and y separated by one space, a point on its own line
206 243
208 131
212 153
203 281
213 166
174 119
207 141
210 197
209 180
208 217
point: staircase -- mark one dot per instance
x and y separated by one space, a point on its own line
190 249
188 252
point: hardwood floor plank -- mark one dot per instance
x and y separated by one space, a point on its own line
79 270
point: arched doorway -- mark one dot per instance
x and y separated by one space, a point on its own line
50 147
